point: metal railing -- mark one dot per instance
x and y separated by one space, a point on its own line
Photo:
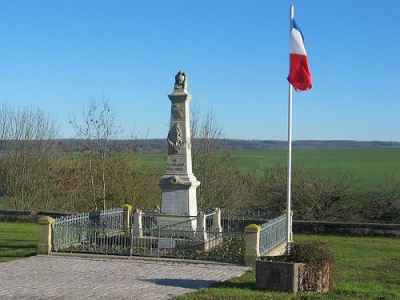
70 231
159 240
234 221
272 233
145 234
174 236
153 234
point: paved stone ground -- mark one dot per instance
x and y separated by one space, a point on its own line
99 277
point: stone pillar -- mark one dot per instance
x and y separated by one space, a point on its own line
201 223
216 221
45 231
179 184
252 235
137 223
127 216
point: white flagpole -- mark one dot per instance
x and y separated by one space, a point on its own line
289 165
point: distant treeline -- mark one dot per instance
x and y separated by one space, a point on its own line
161 146
231 144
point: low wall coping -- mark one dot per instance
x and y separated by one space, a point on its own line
346 228
27 216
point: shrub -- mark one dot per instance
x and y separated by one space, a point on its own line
318 263
319 269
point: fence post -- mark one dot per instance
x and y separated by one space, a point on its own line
45 231
252 235
290 231
137 223
216 221
127 216
291 225
201 226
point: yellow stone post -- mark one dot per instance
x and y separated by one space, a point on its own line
45 231
252 234
127 216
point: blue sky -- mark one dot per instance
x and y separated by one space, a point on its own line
56 55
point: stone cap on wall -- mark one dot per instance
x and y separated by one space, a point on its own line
27 215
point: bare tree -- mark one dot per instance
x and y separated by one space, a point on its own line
27 136
99 133
222 185
206 133
382 204
316 195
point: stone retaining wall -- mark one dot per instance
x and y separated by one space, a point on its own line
26 215
346 229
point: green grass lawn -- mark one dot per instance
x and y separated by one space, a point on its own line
369 268
18 240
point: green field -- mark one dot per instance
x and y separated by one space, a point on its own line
372 166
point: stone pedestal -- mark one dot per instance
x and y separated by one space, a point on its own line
45 231
179 202
278 276
252 235
291 277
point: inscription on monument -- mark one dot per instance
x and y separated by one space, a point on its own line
175 166
175 201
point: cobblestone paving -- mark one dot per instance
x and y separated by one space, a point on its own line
68 277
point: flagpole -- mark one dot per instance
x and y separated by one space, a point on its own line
289 165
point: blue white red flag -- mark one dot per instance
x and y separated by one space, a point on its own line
299 74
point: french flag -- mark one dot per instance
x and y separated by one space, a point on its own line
299 74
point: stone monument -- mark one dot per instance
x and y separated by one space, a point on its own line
178 185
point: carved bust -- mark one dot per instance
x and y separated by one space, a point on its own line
180 81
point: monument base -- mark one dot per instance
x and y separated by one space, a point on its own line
178 202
